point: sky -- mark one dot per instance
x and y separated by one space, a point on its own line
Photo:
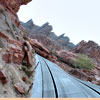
78 19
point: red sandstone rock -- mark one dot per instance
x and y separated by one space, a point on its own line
47 42
14 55
36 44
52 58
82 75
4 36
97 68
17 50
6 57
3 77
29 54
41 50
18 58
66 55
24 79
19 88
90 49
12 6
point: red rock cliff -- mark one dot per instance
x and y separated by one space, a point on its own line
12 6
16 53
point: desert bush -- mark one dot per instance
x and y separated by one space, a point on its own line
83 61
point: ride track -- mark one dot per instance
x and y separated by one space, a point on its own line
52 82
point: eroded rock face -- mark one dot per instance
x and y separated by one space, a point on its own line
90 49
66 54
37 32
12 7
66 57
16 54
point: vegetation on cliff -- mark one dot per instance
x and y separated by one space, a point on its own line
83 61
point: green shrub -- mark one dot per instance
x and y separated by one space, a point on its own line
83 61
24 63
27 72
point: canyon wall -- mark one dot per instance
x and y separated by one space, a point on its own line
17 62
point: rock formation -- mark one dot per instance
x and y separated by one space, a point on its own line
17 63
90 49
45 35
12 7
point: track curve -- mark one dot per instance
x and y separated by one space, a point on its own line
53 82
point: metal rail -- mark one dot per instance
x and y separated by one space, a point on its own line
56 83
